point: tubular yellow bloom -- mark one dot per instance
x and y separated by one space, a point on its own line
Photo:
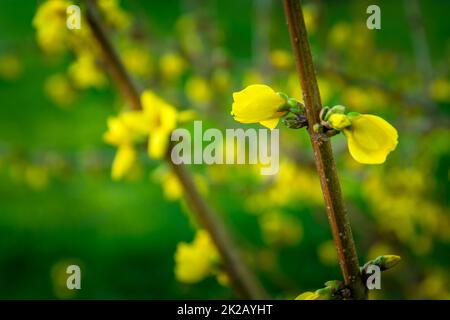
258 103
370 138
195 261
123 161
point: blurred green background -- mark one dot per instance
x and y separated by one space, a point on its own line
58 204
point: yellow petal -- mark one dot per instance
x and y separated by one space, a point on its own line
256 103
123 161
136 121
271 123
158 143
370 139
118 133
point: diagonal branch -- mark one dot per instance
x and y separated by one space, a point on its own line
243 281
323 154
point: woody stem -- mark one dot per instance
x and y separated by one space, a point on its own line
242 279
323 154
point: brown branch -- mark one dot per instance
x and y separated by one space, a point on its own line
242 280
323 154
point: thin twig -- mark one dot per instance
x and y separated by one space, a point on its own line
323 154
243 281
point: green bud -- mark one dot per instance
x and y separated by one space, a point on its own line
324 293
390 261
334 285
283 95
296 106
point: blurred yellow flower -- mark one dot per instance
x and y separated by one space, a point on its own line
340 34
162 120
59 89
85 73
440 90
118 132
221 80
123 161
280 229
10 67
173 190
370 138
172 65
50 24
197 260
198 91
258 103
114 15
120 135
327 253
281 59
138 61
36 177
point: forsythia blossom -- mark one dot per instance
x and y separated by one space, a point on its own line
258 103
370 138
50 24
155 121
197 260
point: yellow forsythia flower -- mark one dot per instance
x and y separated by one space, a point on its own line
85 73
370 138
198 90
114 15
172 66
172 187
197 260
281 59
59 89
123 161
138 61
120 135
258 103
10 67
281 229
118 132
162 120
50 25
